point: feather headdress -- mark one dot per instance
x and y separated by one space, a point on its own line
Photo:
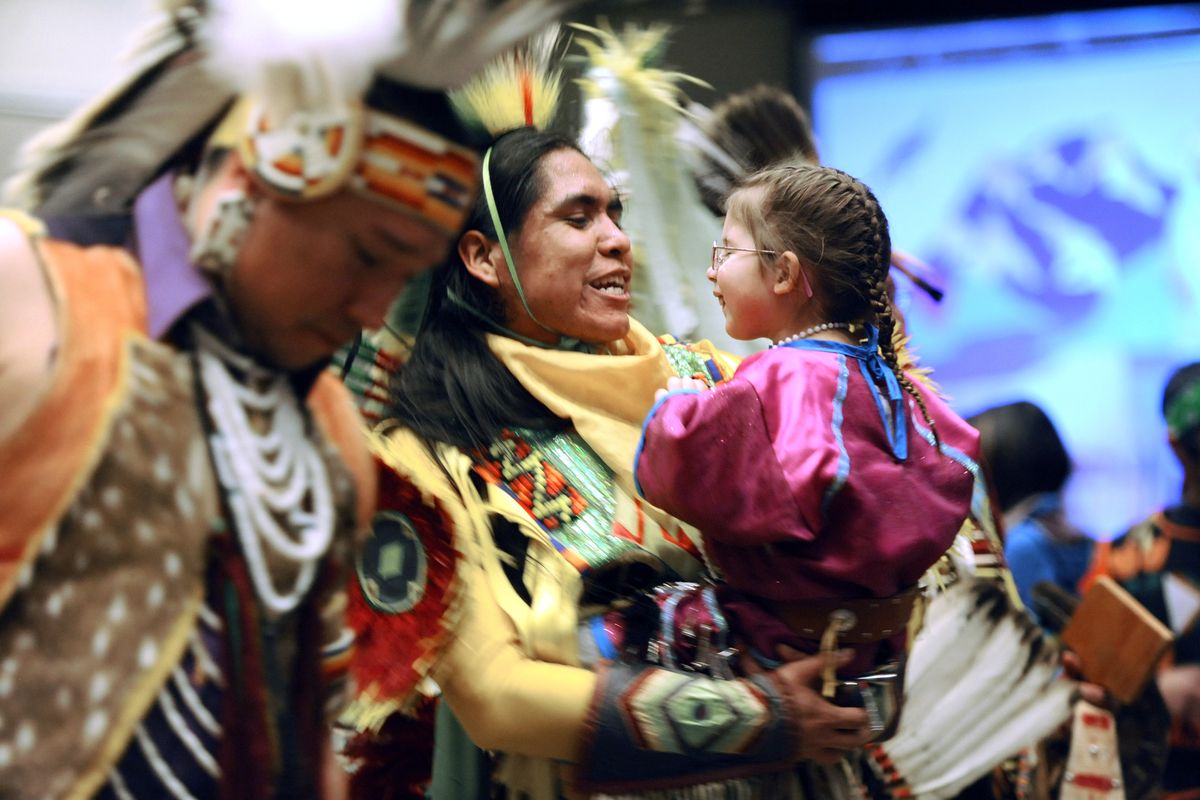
96 158
303 65
520 88
982 682
633 112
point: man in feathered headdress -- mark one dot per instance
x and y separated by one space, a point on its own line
183 479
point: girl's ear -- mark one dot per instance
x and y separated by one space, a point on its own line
791 276
479 256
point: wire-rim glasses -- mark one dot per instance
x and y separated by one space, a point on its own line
718 260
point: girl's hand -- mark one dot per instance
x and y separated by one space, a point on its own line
675 383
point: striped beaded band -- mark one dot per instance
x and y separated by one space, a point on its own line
400 145
379 155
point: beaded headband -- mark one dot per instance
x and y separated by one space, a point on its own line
380 155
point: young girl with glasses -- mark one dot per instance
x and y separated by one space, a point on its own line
824 478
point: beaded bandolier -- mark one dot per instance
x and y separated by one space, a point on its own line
141 613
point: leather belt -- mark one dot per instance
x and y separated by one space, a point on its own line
860 621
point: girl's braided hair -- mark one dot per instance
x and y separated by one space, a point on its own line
836 227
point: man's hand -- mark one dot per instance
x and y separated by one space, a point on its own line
1180 688
1091 692
826 732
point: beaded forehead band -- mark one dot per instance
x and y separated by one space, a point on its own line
384 157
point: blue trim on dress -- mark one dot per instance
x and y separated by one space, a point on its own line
874 371
637 453
839 416
604 643
980 503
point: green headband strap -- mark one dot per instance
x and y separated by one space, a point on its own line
574 345
565 343
1183 414
495 214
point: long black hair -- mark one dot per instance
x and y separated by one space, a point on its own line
1023 450
452 388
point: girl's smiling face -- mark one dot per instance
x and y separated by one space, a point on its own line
743 284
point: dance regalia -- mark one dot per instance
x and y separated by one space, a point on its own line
1154 560
138 658
546 535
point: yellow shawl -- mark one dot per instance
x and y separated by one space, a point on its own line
606 397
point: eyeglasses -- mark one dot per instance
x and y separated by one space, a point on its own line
719 258
720 254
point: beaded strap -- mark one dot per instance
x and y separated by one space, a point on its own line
654 728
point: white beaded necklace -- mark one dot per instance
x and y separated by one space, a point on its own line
266 476
815 329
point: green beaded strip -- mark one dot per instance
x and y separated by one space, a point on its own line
686 362
587 533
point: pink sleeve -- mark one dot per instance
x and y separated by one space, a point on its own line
707 459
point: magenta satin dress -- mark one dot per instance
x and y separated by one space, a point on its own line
811 475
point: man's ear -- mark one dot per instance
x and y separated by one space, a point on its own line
479 254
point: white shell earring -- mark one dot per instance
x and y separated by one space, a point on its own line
216 248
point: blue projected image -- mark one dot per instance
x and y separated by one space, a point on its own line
1048 170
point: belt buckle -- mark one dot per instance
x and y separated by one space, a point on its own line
879 693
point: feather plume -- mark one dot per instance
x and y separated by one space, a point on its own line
248 41
633 114
521 87
982 683
168 34
445 42
715 169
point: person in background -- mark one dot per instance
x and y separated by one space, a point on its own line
765 126
183 480
1028 467
1158 562
751 130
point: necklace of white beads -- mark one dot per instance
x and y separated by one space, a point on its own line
267 477
815 329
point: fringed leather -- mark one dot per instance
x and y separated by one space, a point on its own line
783 786
249 753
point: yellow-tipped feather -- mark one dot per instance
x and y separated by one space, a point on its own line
628 57
520 88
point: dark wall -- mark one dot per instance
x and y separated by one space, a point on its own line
735 44
729 45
